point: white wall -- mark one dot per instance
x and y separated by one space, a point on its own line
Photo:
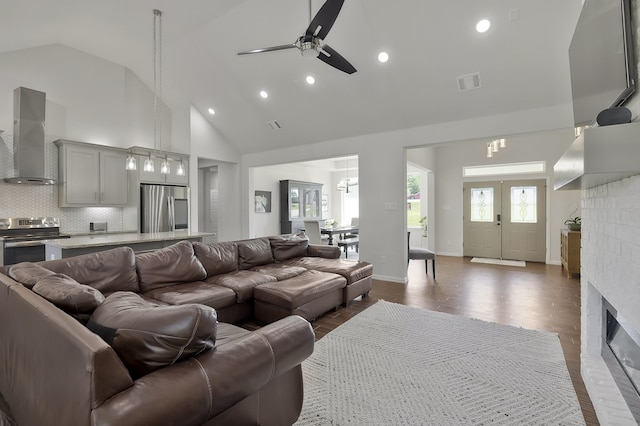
382 164
268 179
89 100
451 158
209 147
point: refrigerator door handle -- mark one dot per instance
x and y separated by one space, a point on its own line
172 219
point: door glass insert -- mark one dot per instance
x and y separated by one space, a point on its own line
481 204
295 203
523 204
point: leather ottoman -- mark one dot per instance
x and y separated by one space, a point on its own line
310 294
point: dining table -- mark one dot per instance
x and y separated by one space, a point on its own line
338 230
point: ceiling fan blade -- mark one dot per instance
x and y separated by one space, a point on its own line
333 58
325 18
269 49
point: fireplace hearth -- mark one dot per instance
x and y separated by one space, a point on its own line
621 353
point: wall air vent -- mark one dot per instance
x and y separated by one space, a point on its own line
469 82
274 125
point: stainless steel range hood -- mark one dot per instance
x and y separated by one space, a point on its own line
28 137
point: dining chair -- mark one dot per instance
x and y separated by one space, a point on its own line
355 221
419 253
312 229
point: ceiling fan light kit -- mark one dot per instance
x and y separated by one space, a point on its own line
311 44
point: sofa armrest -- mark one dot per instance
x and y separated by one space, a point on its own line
193 391
327 252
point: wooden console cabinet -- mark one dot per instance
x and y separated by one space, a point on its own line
570 252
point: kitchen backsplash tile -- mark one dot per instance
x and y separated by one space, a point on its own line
42 200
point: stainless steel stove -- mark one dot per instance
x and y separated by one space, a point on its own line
22 239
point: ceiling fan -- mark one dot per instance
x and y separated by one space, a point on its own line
310 43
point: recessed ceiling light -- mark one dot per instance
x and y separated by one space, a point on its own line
264 94
211 111
311 79
483 25
383 57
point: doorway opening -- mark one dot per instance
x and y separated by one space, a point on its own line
505 220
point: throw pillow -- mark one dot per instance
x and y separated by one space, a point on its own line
147 336
68 294
28 274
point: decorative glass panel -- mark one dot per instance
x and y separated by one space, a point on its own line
523 204
481 204
295 203
311 203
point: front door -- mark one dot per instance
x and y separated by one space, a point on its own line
505 220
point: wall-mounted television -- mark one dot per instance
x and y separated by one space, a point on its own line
603 67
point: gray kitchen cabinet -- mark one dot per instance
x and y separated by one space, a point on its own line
156 177
91 175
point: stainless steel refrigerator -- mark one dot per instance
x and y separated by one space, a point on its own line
163 208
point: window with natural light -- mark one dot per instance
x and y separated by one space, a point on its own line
413 200
523 204
481 204
504 169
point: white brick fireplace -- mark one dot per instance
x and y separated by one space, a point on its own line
610 269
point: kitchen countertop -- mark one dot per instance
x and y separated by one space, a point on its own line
106 239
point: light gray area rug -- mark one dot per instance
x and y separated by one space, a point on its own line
520 263
397 365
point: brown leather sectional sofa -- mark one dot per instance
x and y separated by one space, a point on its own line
168 360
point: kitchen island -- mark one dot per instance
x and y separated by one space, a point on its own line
74 246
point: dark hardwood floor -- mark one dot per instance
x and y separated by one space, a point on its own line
536 297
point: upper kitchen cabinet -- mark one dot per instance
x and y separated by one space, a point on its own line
172 178
91 175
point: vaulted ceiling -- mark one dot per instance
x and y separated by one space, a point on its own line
522 60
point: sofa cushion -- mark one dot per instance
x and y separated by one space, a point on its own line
352 270
28 274
254 252
299 290
241 282
68 294
108 271
195 292
174 264
288 246
280 271
218 258
148 336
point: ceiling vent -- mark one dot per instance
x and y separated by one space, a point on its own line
274 125
469 82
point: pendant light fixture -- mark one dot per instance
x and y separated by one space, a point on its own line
345 184
165 169
130 163
180 170
495 145
157 86
149 165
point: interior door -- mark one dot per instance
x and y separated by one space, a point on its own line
505 220
482 230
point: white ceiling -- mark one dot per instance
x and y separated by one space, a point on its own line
522 59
